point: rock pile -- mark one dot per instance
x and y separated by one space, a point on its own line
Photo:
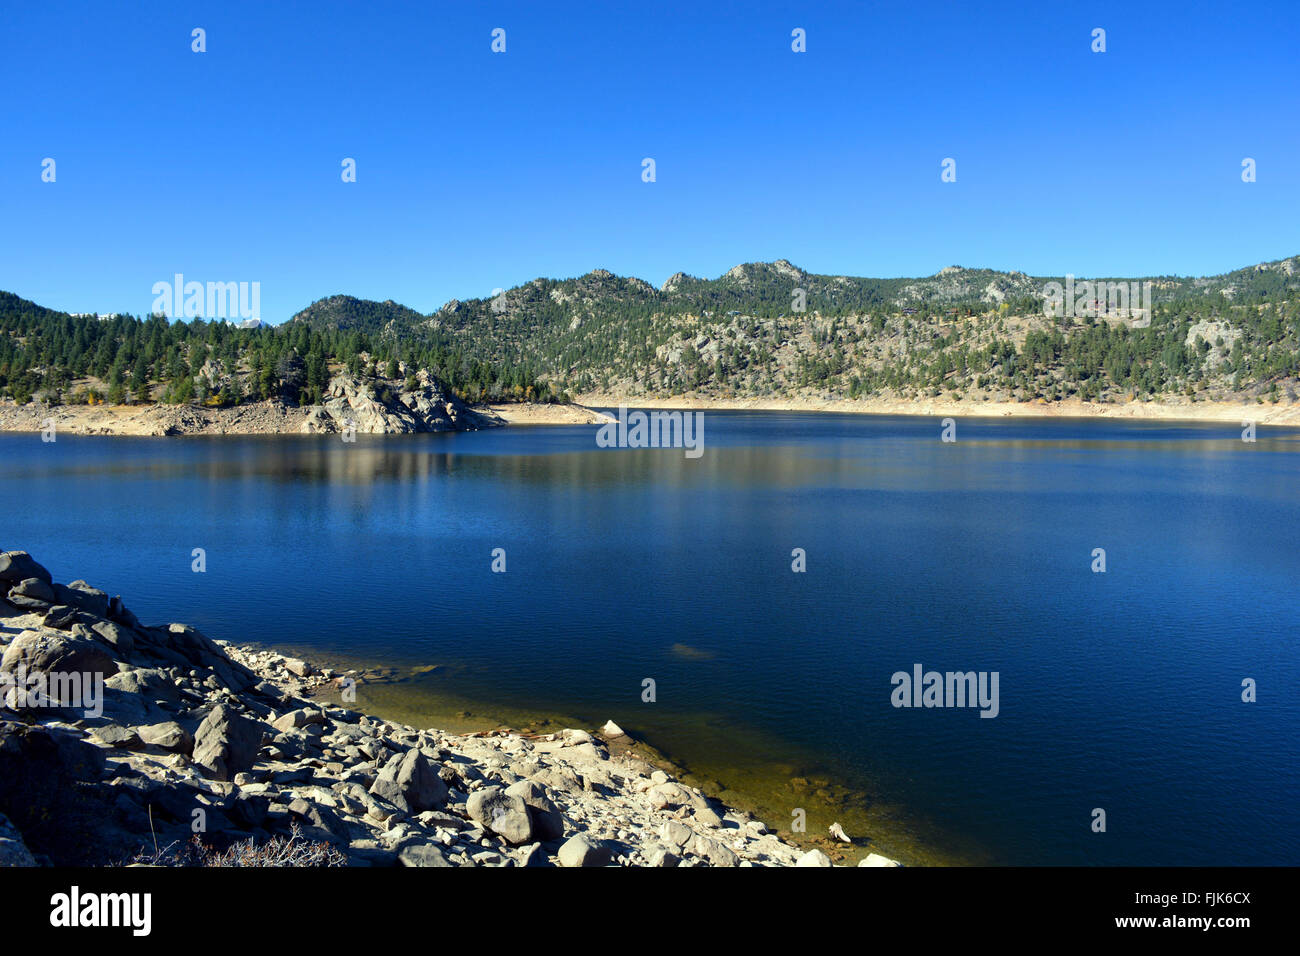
194 736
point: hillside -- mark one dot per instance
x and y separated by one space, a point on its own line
959 334
55 358
760 331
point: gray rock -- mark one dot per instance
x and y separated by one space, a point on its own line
502 814
116 736
708 817
531 855
716 852
23 602
579 851
422 854
667 795
17 566
227 743
57 652
121 638
660 856
548 822
676 834
299 668
433 818
37 590
559 778
410 783
82 596
152 683
168 735
47 778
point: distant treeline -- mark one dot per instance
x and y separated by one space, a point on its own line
45 354
762 329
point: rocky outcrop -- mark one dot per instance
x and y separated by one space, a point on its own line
184 734
370 406
381 408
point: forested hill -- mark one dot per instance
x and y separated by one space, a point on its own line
760 330
60 358
960 333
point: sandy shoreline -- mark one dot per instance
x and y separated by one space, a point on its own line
532 414
271 419
1234 412
260 418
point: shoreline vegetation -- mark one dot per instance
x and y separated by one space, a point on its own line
155 728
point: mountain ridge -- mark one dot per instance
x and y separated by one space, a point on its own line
759 330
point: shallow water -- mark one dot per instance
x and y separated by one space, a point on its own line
1119 691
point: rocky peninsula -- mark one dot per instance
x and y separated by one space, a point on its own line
121 742
420 404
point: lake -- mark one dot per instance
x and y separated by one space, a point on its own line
1119 690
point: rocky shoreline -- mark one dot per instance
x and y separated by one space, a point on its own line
420 403
200 752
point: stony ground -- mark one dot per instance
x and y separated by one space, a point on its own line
206 737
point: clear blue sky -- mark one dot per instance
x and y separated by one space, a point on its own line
477 170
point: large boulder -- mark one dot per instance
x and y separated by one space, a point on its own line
502 813
47 651
53 668
715 851
153 683
409 782
116 636
668 795
422 854
226 743
17 566
32 593
167 735
548 822
580 851
82 596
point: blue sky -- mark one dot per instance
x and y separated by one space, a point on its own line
478 170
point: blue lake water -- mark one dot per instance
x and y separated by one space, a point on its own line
1118 690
